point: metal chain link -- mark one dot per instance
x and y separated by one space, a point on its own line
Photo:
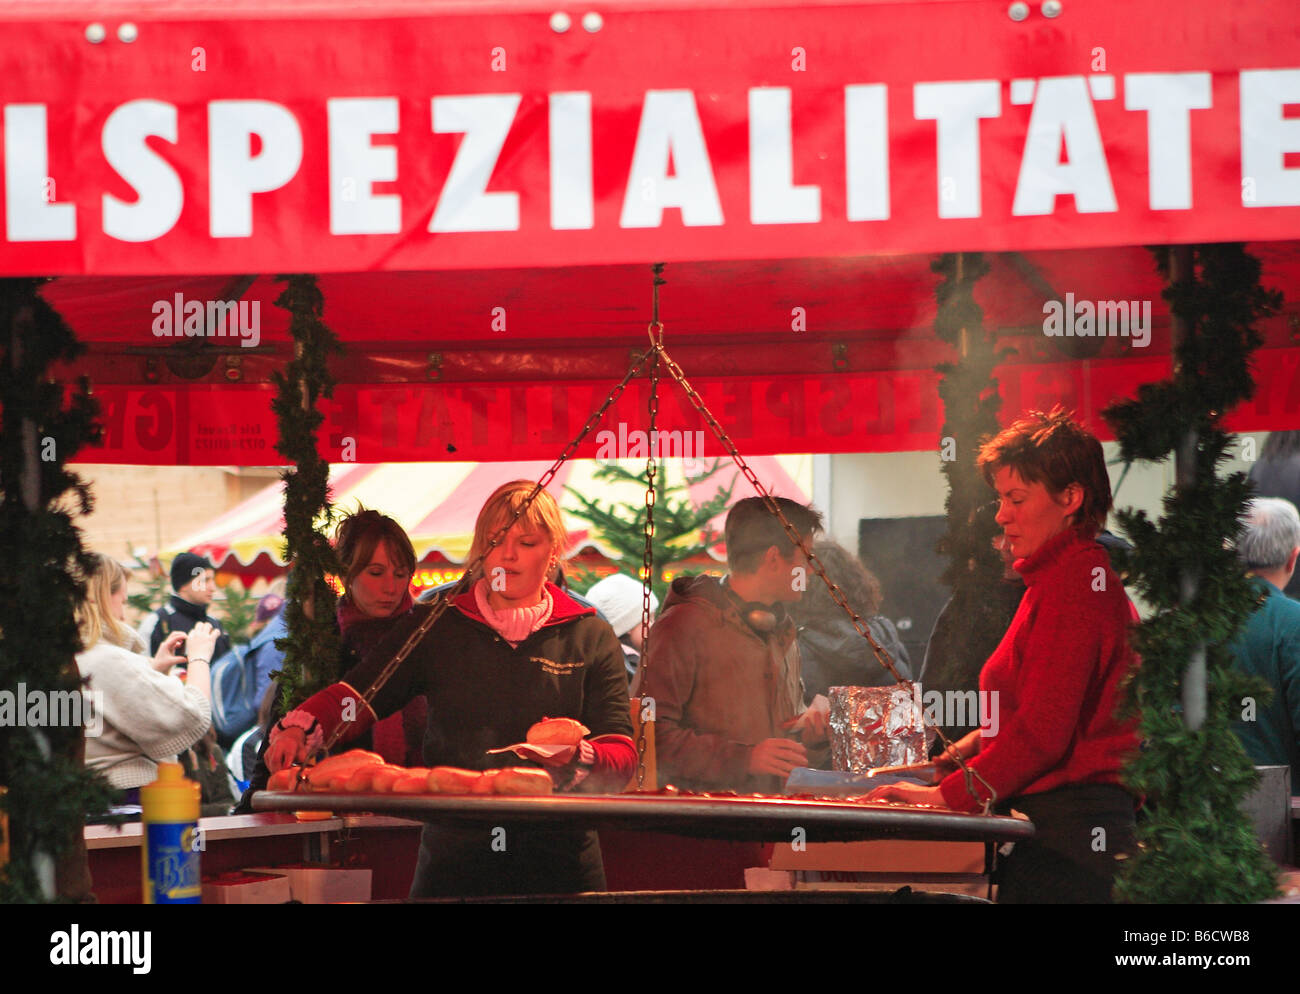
836 594
647 557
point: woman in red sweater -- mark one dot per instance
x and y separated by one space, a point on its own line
1058 748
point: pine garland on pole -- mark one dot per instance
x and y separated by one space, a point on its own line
312 646
1195 845
970 411
49 790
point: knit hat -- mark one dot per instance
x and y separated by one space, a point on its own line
619 598
183 567
267 606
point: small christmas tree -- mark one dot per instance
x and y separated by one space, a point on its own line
682 530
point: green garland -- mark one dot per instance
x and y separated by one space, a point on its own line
970 411
48 796
312 646
1195 845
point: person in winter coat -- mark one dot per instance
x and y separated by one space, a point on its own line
148 716
831 650
510 651
195 585
723 664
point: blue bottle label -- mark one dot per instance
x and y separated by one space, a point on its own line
172 862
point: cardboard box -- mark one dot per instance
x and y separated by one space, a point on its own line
888 856
242 887
314 883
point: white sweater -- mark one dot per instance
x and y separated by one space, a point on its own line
149 717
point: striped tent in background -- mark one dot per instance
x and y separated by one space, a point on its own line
437 503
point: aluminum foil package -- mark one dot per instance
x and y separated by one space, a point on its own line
876 726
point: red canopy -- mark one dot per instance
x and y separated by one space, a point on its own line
484 186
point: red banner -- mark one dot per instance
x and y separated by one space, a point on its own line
263 141
849 412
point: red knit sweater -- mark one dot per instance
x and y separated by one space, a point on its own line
1056 674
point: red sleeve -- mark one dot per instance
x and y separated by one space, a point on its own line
339 704
1069 630
615 762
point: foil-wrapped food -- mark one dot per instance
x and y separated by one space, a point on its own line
877 726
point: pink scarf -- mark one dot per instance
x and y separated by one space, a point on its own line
513 624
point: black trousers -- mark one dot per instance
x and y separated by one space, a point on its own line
500 860
1073 857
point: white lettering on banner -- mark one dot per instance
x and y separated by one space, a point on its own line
1063 112
1168 99
866 152
957 108
774 199
160 195
28 216
257 146
1267 136
465 205
572 197
234 173
353 157
670 126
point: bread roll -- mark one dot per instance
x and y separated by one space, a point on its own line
362 780
415 781
558 731
525 780
383 780
450 780
483 785
286 779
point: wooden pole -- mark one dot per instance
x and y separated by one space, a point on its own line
1194 699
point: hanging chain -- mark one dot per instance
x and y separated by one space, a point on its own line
441 602
837 595
656 332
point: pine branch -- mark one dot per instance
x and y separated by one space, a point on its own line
1195 845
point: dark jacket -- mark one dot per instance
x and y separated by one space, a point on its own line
179 615
835 655
719 686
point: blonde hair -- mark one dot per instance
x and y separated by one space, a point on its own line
543 515
94 614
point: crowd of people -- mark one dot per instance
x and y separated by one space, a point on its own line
739 667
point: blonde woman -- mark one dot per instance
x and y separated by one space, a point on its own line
512 650
149 716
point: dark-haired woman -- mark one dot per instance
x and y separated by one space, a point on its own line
1057 748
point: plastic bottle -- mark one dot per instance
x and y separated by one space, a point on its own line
170 847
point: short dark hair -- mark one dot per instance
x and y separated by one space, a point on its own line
1055 450
752 529
358 534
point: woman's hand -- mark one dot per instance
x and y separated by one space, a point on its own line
201 641
908 793
165 658
568 773
945 762
287 746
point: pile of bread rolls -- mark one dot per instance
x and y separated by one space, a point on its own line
362 772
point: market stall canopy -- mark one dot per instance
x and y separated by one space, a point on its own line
484 185
437 503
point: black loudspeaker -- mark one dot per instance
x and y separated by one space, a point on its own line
900 551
